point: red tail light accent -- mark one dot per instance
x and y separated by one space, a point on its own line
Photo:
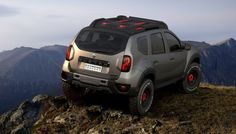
139 23
122 26
69 53
139 28
126 64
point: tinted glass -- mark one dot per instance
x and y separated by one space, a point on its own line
142 45
173 42
101 42
157 43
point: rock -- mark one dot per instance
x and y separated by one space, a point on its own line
94 111
17 116
39 98
92 131
182 123
128 130
156 126
24 105
59 119
4 118
135 119
20 129
115 114
60 102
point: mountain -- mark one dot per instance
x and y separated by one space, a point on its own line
25 72
210 110
218 63
200 45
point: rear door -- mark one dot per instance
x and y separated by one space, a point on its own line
159 57
99 54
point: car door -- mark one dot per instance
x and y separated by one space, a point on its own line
176 56
159 57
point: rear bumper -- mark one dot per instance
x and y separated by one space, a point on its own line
96 83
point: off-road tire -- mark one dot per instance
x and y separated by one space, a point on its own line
191 80
138 105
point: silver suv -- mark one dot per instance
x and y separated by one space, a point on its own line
129 56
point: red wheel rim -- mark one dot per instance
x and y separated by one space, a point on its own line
145 96
190 77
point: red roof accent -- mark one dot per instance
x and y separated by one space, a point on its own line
105 23
122 26
122 21
139 28
139 23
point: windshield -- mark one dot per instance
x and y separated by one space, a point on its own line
101 42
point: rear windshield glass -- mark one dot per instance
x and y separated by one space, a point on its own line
101 42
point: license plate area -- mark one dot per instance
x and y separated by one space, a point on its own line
92 67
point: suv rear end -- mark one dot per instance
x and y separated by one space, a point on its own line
95 60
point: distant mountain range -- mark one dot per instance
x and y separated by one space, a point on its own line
219 63
26 72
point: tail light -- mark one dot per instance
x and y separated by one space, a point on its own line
70 53
126 64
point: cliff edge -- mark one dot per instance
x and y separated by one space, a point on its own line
210 110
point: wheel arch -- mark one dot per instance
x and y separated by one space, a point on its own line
195 58
148 74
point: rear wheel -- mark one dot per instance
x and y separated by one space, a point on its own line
141 103
73 93
192 79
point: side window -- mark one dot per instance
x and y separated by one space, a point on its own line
157 43
142 45
173 42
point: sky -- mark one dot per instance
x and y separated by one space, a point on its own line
37 23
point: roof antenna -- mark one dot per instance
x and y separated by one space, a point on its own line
122 17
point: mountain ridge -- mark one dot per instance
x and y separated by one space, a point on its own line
219 63
26 72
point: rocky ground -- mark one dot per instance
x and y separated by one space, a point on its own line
210 110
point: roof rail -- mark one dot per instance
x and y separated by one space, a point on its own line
95 21
156 23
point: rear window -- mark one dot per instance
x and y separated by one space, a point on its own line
101 42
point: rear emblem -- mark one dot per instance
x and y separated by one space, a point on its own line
94 55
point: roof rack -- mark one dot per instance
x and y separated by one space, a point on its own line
129 25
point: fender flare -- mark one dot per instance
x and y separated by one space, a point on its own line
190 61
141 78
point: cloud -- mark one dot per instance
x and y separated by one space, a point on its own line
8 11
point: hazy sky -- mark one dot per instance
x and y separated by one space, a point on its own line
37 23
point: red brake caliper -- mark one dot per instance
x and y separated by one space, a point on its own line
190 77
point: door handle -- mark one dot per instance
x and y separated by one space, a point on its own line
155 62
172 59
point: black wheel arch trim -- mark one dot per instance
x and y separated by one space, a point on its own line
149 71
193 57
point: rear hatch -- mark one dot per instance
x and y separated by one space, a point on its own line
99 53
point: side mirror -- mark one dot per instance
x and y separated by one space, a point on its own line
186 46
